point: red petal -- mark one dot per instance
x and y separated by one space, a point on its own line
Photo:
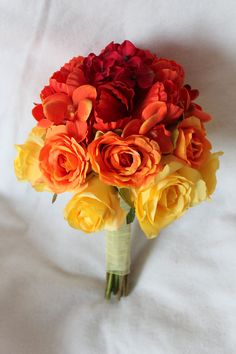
132 127
75 79
185 98
145 76
121 92
77 129
45 123
73 62
173 112
37 112
106 126
46 91
128 49
197 112
163 137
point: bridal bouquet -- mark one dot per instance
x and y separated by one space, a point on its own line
122 132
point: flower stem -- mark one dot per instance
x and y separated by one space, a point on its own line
116 284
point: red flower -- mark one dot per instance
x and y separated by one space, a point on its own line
168 70
113 107
171 75
187 95
120 62
66 79
155 107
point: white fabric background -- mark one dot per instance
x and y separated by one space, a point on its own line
52 277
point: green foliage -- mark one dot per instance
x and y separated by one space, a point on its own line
130 216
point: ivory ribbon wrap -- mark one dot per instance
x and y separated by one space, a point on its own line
118 248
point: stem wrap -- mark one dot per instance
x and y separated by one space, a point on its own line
118 248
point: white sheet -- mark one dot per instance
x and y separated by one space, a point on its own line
52 277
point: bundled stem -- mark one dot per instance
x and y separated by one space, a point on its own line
116 284
118 244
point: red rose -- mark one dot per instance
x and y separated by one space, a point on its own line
113 107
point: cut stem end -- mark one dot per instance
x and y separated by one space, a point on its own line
117 285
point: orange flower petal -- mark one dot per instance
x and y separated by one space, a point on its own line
55 107
125 162
84 109
56 129
192 145
77 129
84 91
158 108
159 112
64 163
45 123
180 149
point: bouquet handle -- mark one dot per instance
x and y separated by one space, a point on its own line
118 259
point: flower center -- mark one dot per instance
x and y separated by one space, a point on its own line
126 160
171 196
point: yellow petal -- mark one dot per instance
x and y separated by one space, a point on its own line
26 164
208 171
94 208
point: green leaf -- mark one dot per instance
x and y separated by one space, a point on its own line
130 216
54 198
125 195
174 137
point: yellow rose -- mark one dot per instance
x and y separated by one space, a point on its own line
208 171
26 163
95 208
176 188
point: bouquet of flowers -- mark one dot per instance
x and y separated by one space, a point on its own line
121 132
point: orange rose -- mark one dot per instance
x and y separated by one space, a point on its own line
125 162
192 145
63 162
